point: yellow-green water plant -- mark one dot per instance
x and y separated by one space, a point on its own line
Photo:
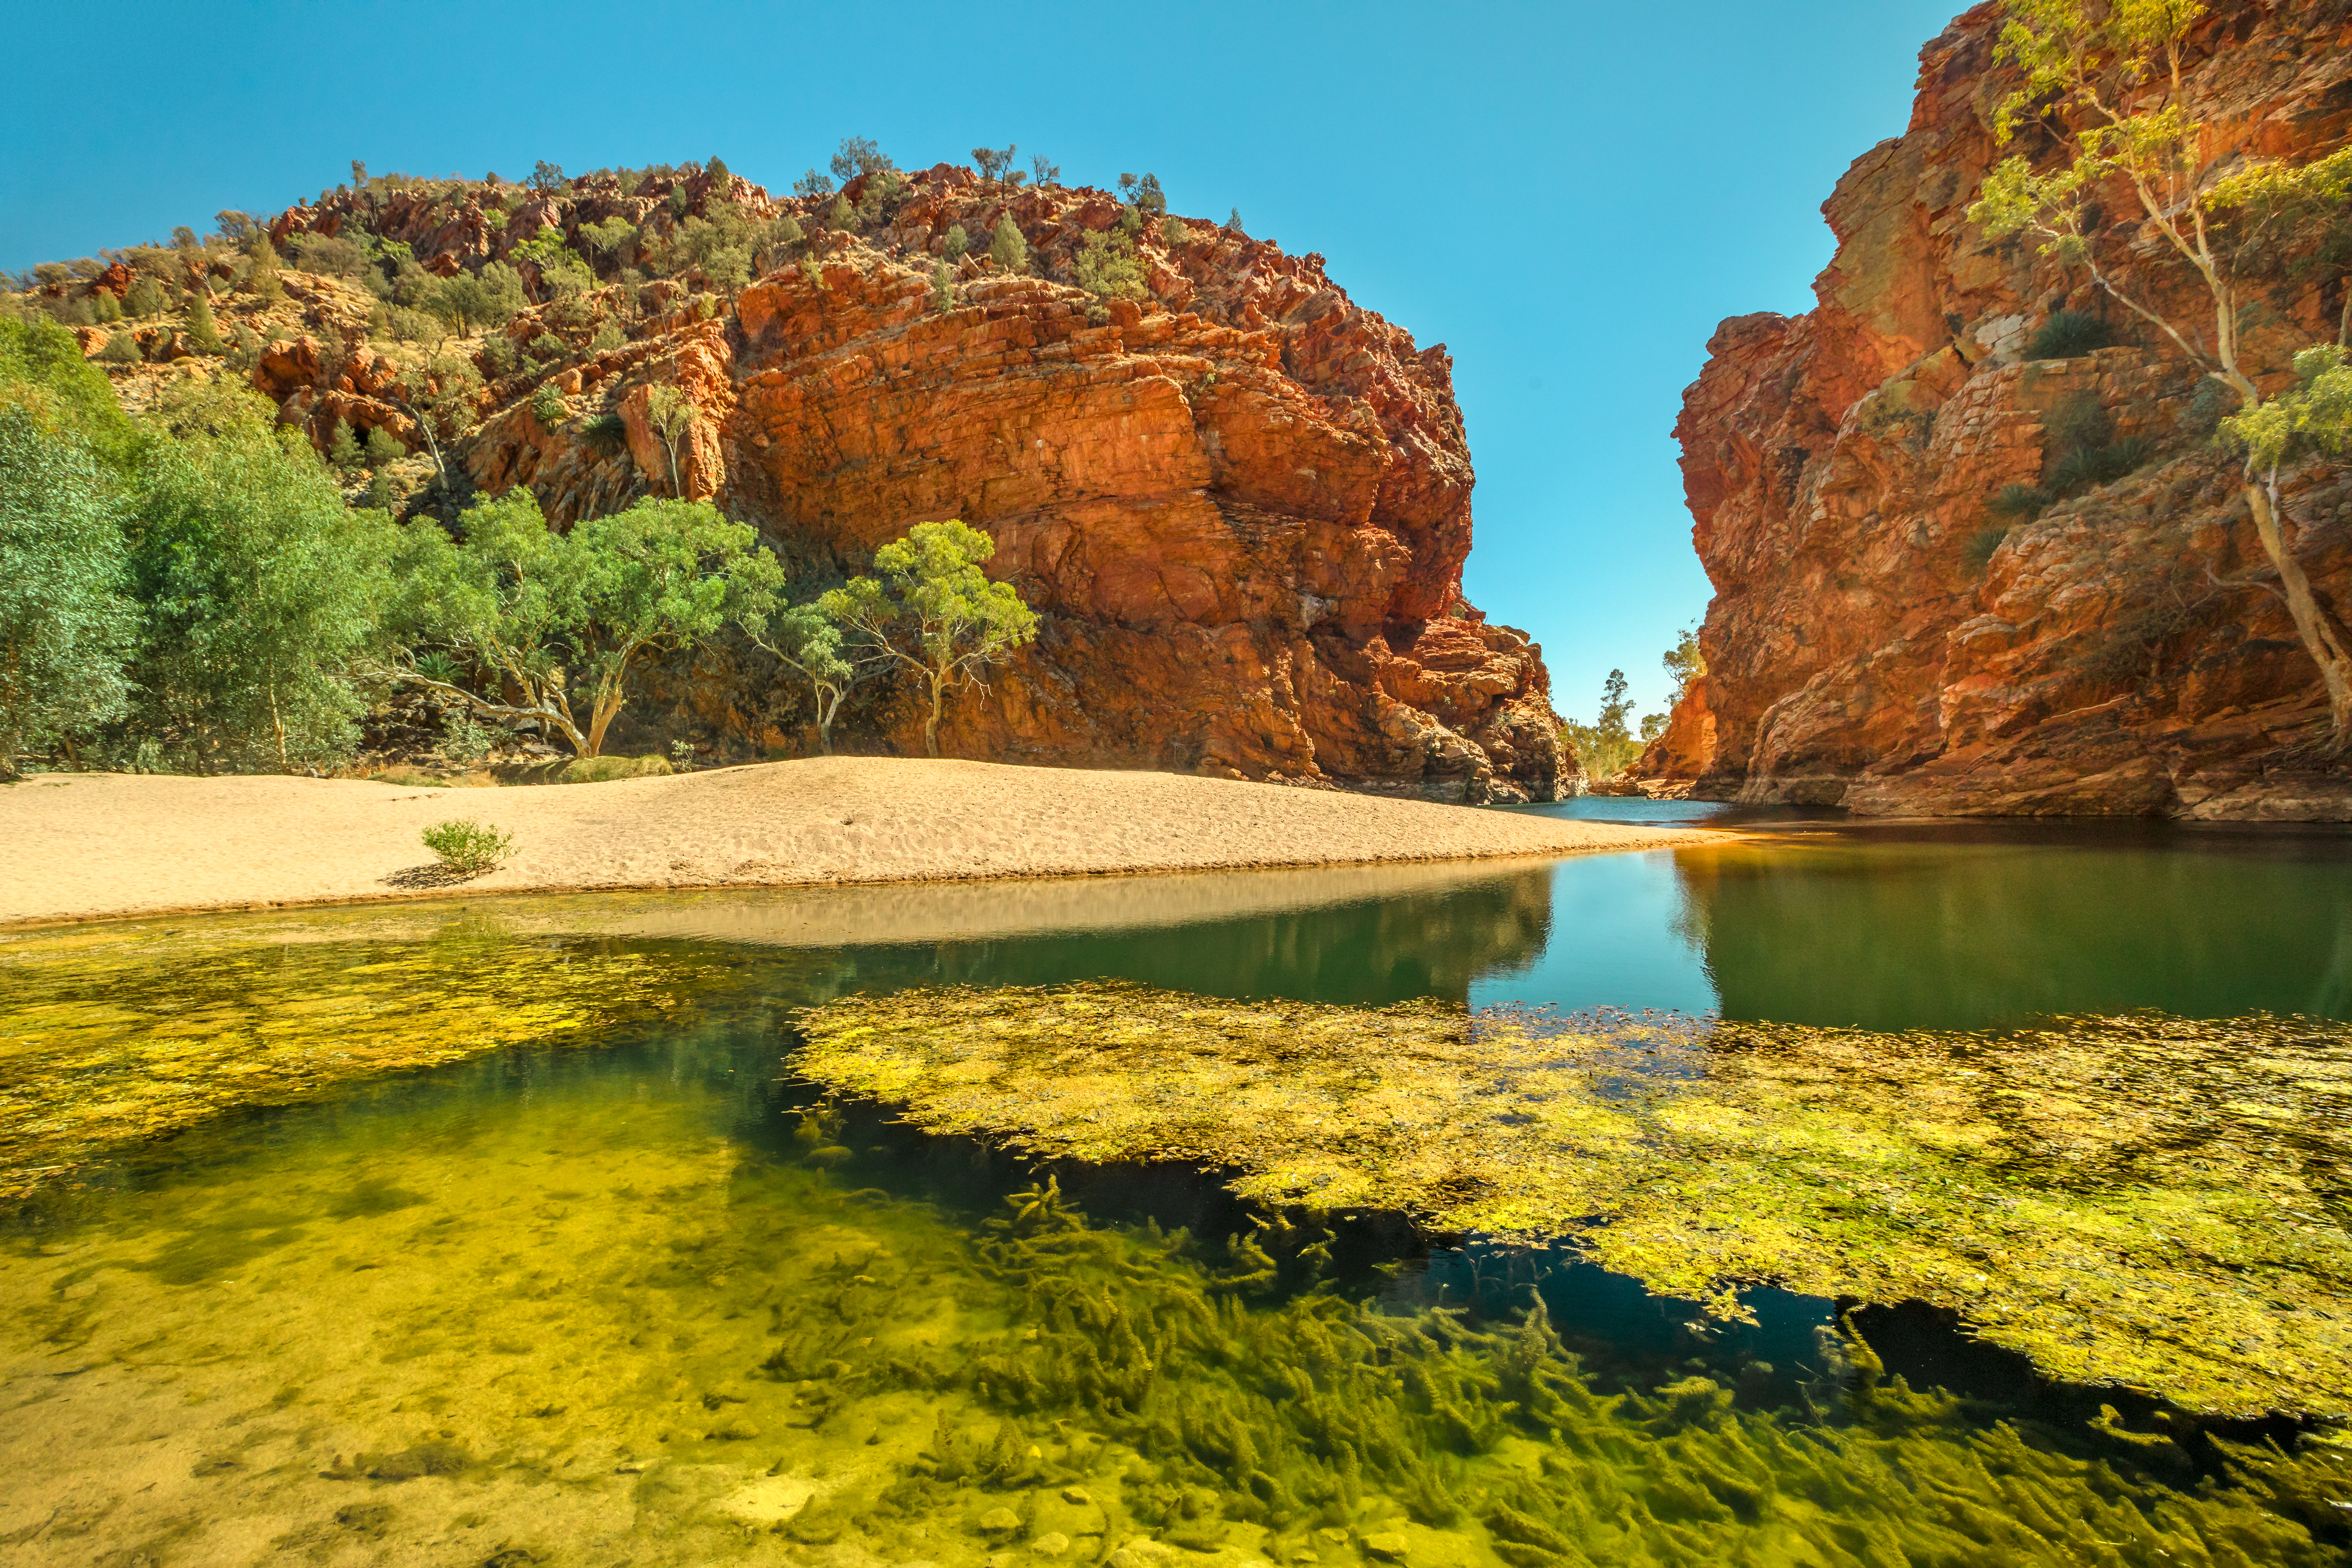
573 1325
109 1039
2149 1202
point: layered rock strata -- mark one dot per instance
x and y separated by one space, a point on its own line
1240 503
1877 639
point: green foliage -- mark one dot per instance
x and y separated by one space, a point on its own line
472 301
263 591
468 845
547 179
2077 420
993 162
956 243
500 358
1234 222
1652 726
261 274
607 434
544 614
2314 414
931 609
1006 248
813 184
1606 746
1978 552
42 368
2087 468
381 447
942 290
671 414
2071 335
1108 268
858 155
547 347
445 395
343 447
1042 170
806 641
608 336
144 299
203 334
1684 662
66 626
547 407
122 347
328 256
2016 501
606 238
840 215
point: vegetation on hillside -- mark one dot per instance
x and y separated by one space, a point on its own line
191 589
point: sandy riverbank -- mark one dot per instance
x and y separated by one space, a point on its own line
92 845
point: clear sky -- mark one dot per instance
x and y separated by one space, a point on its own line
1568 196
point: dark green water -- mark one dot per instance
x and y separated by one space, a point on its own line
637 1297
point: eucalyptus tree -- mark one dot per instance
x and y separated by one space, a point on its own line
2105 83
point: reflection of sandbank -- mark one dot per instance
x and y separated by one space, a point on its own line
971 911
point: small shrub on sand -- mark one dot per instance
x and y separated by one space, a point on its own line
468 845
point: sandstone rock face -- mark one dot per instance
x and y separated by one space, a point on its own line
1241 503
1870 645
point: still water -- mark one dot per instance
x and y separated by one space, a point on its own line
610 1284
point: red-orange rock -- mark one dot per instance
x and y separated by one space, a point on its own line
1244 520
2115 654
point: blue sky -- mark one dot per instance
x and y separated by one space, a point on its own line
1568 196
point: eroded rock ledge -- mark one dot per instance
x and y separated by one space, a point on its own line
1838 466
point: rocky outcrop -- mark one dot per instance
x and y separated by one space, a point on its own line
1240 503
1877 640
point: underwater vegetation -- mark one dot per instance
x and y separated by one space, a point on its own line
468 1324
2148 1202
107 1041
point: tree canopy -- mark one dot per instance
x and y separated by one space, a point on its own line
554 615
931 610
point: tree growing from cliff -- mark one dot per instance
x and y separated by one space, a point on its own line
670 413
993 162
1006 248
1684 661
2105 83
929 609
517 607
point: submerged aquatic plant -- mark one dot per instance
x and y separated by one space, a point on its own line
2144 1201
109 1039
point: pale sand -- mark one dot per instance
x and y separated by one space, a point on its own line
94 845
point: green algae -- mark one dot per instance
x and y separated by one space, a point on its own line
2149 1202
601 1332
110 1038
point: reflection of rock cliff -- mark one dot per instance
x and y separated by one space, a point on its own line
1870 644
1242 501
1914 930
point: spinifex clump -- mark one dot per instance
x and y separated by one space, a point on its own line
2144 1201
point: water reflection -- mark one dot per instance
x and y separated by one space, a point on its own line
1954 929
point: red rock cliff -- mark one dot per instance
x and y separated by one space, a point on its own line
1870 645
1242 503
